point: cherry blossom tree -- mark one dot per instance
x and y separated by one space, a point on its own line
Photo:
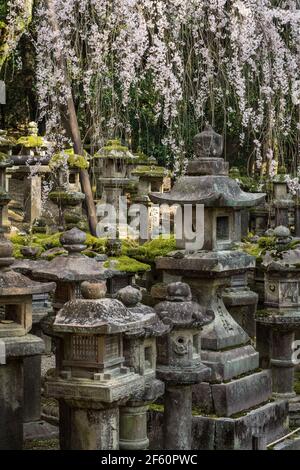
234 63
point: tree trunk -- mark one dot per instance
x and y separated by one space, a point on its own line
14 31
71 124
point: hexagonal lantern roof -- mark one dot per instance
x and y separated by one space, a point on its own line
14 284
207 181
104 316
75 267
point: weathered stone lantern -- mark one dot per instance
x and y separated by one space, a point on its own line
17 346
26 182
114 163
209 270
92 380
207 183
67 194
69 271
179 362
280 319
140 355
151 179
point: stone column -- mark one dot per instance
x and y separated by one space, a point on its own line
11 400
32 389
133 426
177 417
281 215
33 198
82 427
263 344
281 363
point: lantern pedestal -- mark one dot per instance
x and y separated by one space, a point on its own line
133 426
12 390
86 428
177 417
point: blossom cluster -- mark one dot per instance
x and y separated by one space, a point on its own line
241 56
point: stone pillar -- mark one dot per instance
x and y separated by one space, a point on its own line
133 427
82 428
177 417
297 220
11 401
281 215
33 198
32 388
263 344
281 363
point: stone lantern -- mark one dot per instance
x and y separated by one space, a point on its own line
25 182
207 183
140 352
114 163
67 194
92 380
280 319
179 362
209 270
17 403
69 271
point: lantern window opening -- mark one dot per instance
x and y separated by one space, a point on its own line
196 345
72 178
148 355
222 228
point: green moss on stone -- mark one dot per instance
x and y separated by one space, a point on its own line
152 171
154 248
156 407
95 244
31 141
41 240
73 160
126 264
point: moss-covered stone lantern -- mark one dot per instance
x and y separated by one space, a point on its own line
17 346
29 171
235 385
67 194
92 380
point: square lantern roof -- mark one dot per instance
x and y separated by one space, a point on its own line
104 316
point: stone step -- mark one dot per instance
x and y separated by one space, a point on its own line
228 399
226 365
242 394
210 433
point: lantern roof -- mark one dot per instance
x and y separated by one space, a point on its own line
75 267
103 316
210 190
14 284
206 180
